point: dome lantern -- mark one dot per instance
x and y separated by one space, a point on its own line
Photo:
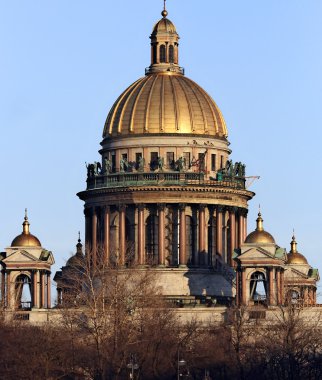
164 47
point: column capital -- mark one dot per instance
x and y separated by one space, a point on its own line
122 207
202 207
161 206
140 206
232 209
242 212
182 206
106 208
220 208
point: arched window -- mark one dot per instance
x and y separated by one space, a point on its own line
258 287
162 54
152 239
171 54
154 54
23 292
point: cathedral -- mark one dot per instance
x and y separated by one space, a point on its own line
165 196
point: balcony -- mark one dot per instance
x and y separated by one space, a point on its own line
119 180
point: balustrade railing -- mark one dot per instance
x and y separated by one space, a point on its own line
162 179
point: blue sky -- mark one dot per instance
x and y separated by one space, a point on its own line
63 64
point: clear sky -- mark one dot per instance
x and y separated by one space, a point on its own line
64 63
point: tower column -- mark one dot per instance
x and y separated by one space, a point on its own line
161 235
202 223
243 286
106 235
3 288
94 237
237 288
241 229
48 291
271 286
8 287
43 285
278 285
182 236
141 242
282 287
232 218
122 234
219 227
87 214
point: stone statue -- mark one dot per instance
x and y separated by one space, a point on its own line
160 163
90 170
243 170
107 165
141 164
96 166
122 165
180 163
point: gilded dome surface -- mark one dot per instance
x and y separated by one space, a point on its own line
259 236
25 239
164 26
165 103
296 258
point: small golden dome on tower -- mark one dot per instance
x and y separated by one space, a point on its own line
294 257
26 239
164 26
259 236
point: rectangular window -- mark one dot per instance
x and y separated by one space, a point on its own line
186 160
154 160
201 160
170 160
221 162
124 156
113 159
213 162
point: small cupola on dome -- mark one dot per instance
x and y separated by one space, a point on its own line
259 236
26 239
164 46
294 257
76 259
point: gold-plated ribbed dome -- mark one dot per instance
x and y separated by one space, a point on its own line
259 236
26 239
295 257
164 26
165 103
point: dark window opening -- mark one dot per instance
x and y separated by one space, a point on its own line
154 160
171 54
213 162
170 160
162 54
154 54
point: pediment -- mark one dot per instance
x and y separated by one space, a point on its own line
20 256
292 274
257 254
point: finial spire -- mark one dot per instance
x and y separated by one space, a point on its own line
259 221
164 13
25 224
293 243
79 239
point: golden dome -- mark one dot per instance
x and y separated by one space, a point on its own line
259 236
164 26
26 239
295 257
166 102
